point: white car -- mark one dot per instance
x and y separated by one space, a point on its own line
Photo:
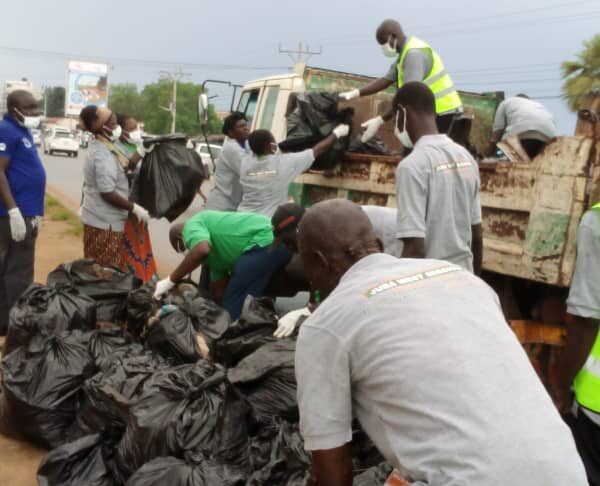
202 150
61 140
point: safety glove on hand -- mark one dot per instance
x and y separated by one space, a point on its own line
341 130
140 213
163 287
287 324
371 127
18 229
349 95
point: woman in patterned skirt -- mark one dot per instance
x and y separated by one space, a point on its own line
105 205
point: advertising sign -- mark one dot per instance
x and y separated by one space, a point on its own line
86 85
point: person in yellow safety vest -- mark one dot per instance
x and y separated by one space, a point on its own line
579 362
415 61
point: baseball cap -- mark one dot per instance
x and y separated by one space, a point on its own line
286 218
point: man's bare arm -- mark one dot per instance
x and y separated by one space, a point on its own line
332 467
413 248
477 248
191 261
376 86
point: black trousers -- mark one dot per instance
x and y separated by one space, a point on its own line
587 439
16 267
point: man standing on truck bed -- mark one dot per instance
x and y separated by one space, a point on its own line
415 61
437 186
445 391
579 361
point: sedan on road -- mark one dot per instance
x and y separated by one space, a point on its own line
64 141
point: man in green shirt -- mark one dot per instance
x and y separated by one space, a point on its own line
238 249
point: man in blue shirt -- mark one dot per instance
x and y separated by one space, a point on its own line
22 187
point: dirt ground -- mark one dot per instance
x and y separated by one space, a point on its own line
56 244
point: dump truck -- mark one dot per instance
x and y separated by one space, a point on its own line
531 210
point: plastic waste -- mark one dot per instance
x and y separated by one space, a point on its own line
45 311
170 178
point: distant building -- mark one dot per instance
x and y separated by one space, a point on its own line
10 86
222 114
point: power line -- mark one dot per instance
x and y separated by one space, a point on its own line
129 61
297 54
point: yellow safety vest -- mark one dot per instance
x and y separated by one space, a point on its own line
587 381
439 81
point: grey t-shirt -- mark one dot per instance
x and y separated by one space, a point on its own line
266 180
584 295
227 193
437 194
383 220
519 115
416 66
420 353
103 173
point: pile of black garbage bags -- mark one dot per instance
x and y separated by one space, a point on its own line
126 390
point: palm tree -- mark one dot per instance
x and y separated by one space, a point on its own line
582 77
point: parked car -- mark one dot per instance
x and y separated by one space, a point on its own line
202 150
37 137
61 140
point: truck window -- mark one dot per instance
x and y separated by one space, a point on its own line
247 104
269 108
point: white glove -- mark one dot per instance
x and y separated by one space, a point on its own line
18 230
341 131
287 324
350 95
140 213
142 150
371 127
163 287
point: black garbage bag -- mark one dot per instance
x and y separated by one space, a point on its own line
109 394
44 311
208 318
253 329
78 463
108 286
374 146
177 412
374 476
173 336
311 117
170 178
171 471
43 385
277 455
267 380
232 432
365 454
108 344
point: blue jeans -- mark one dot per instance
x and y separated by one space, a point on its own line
251 275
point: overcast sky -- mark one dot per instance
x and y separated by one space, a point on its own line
514 46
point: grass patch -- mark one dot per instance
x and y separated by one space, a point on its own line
55 211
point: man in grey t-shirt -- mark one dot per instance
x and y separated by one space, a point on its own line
577 358
227 193
266 175
383 220
527 119
420 353
437 187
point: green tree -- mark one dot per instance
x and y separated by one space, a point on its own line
582 77
125 99
55 101
158 121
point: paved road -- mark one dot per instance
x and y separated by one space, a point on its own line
65 174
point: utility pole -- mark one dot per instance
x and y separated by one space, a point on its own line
174 77
301 54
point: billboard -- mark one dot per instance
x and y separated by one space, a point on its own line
86 85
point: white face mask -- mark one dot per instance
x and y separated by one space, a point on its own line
115 133
389 50
403 135
135 137
29 121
